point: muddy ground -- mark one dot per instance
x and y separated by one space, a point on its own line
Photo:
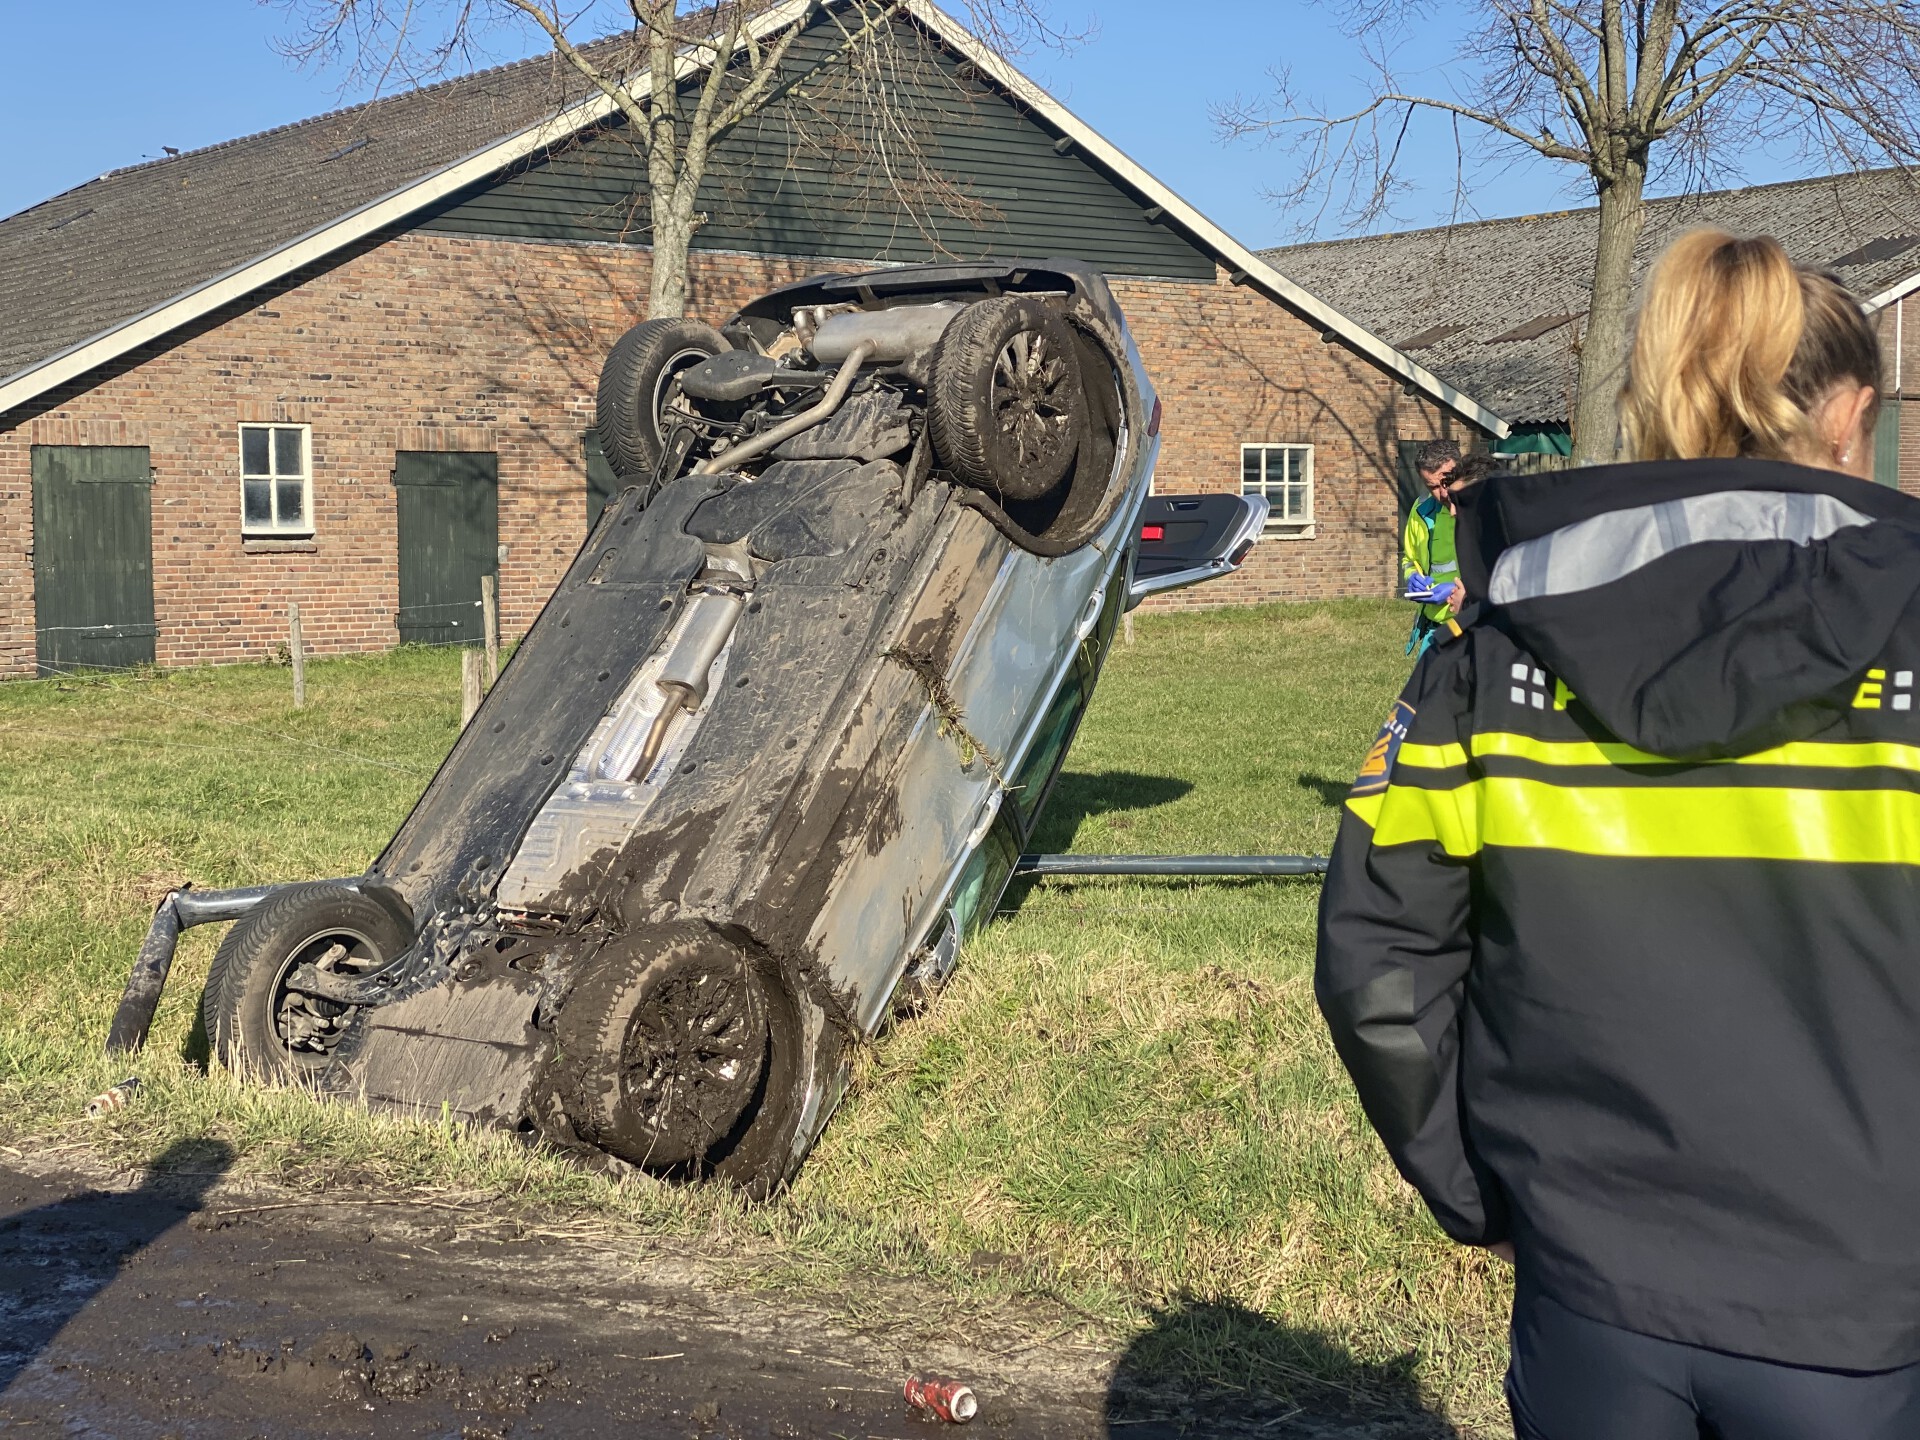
146 1306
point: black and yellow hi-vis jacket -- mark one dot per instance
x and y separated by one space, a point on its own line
1621 938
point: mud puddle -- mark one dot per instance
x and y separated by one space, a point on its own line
168 1308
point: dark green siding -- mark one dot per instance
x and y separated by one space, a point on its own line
1886 442
1411 488
602 483
791 182
92 556
448 505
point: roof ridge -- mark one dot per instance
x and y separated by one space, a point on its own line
450 83
1658 200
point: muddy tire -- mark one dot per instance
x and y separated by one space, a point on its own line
638 382
254 1025
668 1052
1006 408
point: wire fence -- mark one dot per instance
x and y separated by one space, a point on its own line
272 741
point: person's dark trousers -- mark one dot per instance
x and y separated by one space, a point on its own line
1572 1378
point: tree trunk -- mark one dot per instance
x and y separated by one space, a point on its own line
672 239
1603 350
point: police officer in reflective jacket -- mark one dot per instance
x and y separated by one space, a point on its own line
1621 939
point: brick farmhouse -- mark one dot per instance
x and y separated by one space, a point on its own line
350 363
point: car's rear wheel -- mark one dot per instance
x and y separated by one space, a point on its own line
1007 408
255 1024
668 1051
640 387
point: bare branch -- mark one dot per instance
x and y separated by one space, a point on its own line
1624 90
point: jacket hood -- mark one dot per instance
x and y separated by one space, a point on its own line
1697 608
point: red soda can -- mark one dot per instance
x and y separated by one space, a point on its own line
949 1399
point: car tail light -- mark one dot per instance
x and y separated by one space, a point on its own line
1153 420
1153 532
1241 553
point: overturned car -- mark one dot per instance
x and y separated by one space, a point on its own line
774 745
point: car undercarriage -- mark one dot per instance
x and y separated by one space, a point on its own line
771 750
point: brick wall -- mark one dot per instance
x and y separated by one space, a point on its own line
439 342
1232 367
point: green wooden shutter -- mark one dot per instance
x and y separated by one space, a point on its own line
447 505
1886 443
93 556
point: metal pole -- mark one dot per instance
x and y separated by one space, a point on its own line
469 685
490 624
297 652
1175 865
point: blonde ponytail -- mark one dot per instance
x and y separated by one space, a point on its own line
1734 348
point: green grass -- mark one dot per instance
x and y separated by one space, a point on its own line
1124 1100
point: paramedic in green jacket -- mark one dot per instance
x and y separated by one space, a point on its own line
1427 561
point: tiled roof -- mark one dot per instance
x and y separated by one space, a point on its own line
114 247
1496 307
93 272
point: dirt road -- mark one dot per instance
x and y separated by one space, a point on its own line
165 1307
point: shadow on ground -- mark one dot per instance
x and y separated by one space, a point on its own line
1210 1369
1078 797
1332 792
56 1258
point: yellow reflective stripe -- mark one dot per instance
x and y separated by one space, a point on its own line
1367 807
1850 755
1449 817
1699 823
1431 757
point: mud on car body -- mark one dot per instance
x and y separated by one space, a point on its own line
774 745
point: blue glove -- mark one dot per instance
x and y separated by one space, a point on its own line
1421 588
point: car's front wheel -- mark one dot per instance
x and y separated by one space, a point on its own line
667 1046
255 1023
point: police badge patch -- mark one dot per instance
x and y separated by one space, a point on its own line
1378 766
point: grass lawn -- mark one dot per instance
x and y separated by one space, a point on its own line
1124 1100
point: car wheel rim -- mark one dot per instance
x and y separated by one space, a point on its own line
693 1058
666 389
1031 398
308 1028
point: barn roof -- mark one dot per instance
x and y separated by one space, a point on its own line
134 255
118 245
1497 307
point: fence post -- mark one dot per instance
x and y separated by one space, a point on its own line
490 623
1126 627
297 653
469 684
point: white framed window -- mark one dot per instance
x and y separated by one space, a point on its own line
276 480
1284 474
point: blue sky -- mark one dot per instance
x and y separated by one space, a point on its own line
194 72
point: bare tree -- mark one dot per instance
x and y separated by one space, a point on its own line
1619 87
682 81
